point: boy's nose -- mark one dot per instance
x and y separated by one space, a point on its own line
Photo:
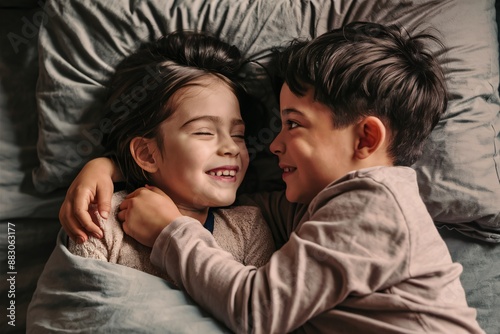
277 146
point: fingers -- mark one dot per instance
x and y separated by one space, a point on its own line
81 213
124 206
71 225
93 184
86 222
72 228
104 195
122 216
122 211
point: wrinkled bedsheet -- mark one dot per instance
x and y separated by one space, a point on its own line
79 295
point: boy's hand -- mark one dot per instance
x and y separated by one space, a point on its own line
145 213
94 184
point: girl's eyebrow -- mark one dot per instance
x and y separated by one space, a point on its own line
213 119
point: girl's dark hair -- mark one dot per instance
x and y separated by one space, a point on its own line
142 87
368 69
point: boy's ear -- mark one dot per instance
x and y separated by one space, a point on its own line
142 150
371 134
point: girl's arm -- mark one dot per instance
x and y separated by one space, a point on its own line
94 184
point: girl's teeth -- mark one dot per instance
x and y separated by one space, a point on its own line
223 173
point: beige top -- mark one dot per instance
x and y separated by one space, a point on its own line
241 231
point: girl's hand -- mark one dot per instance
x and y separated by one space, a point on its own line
145 213
94 184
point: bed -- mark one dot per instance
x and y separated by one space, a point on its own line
55 61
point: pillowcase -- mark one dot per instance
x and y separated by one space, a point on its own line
458 174
83 41
459 171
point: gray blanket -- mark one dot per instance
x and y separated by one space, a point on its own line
80 295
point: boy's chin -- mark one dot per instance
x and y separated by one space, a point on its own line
294 197
290 197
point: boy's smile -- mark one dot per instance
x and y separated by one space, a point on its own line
287 170
312 153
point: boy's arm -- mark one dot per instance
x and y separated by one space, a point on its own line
94 184
330 256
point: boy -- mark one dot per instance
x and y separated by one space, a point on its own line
359 251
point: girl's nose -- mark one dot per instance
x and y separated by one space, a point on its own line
229 146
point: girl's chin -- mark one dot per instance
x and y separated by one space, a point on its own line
203 202
220 202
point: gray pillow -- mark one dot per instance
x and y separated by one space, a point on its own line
458 173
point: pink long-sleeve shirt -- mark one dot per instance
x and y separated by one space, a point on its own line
363 257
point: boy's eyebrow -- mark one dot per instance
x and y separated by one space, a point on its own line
288 111
214 119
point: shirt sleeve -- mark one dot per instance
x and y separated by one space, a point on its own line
333 254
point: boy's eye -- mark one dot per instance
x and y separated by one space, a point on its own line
203 133
291 124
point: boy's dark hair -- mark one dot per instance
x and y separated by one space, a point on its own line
367 69
143 84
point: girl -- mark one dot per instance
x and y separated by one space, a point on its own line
177 128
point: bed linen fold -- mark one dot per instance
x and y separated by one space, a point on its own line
80 295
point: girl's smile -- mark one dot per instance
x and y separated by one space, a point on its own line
224 173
